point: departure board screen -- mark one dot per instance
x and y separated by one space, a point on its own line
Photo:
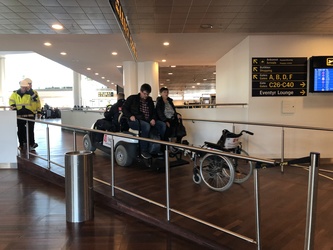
321 74
323 79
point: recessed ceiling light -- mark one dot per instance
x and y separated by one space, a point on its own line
114 53
112 82
205 79
214 73
57 26
88 68
173 66
193 87
163 60
96 74
170 73
108 80
168 80
198 83
166 43
119 66
103 77
47 44
63 53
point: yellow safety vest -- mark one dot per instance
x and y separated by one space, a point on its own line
22 104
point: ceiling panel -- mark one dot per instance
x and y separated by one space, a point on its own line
199 31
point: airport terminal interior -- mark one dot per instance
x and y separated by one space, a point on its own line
261 69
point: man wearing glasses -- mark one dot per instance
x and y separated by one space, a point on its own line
140 111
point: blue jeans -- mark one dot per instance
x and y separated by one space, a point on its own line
144 128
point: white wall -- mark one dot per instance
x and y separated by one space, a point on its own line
233 84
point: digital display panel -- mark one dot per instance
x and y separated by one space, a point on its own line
323 80
321 74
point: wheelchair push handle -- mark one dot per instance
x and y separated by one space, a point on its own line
247 132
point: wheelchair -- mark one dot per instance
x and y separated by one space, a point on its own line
220 172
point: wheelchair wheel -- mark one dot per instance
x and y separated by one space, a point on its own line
243 168
217 172
87 145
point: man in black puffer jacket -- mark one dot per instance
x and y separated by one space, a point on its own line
140 111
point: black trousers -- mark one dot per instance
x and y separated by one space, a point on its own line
22 133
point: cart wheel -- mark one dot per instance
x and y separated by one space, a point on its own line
124 154
217 172
243 168
196 178
87 145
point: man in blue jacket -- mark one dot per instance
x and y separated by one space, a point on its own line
140 111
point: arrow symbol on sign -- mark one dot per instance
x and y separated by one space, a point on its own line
303 92
255 77
255 61
255 69
303 84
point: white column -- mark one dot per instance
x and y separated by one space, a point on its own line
130 78
77 96
148 73
2 81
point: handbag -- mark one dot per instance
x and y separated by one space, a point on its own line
180 129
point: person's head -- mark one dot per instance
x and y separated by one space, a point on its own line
24 86
164 92
145 90
120 96
29 81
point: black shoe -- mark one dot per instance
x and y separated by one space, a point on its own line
145 155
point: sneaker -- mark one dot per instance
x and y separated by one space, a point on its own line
32 147
145 155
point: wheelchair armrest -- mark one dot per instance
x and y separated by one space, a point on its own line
213 145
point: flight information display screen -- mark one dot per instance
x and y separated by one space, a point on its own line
323 80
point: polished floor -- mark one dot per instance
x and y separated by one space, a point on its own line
33 216
282 204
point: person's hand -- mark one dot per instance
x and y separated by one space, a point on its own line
152 122
179 116
132 118
168 124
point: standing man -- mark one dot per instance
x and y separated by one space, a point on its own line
140 111
20 100
36 108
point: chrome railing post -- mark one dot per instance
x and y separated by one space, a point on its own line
28 142
167 184
282 149
312 201
48 146
74 140
112 165
257 206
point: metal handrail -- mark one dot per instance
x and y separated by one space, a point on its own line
311 193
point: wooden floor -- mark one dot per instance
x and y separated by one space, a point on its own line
282 205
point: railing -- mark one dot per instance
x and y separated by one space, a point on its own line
312 186
200 105
282 126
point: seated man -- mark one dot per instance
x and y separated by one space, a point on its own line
110 120
113 113
139 109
